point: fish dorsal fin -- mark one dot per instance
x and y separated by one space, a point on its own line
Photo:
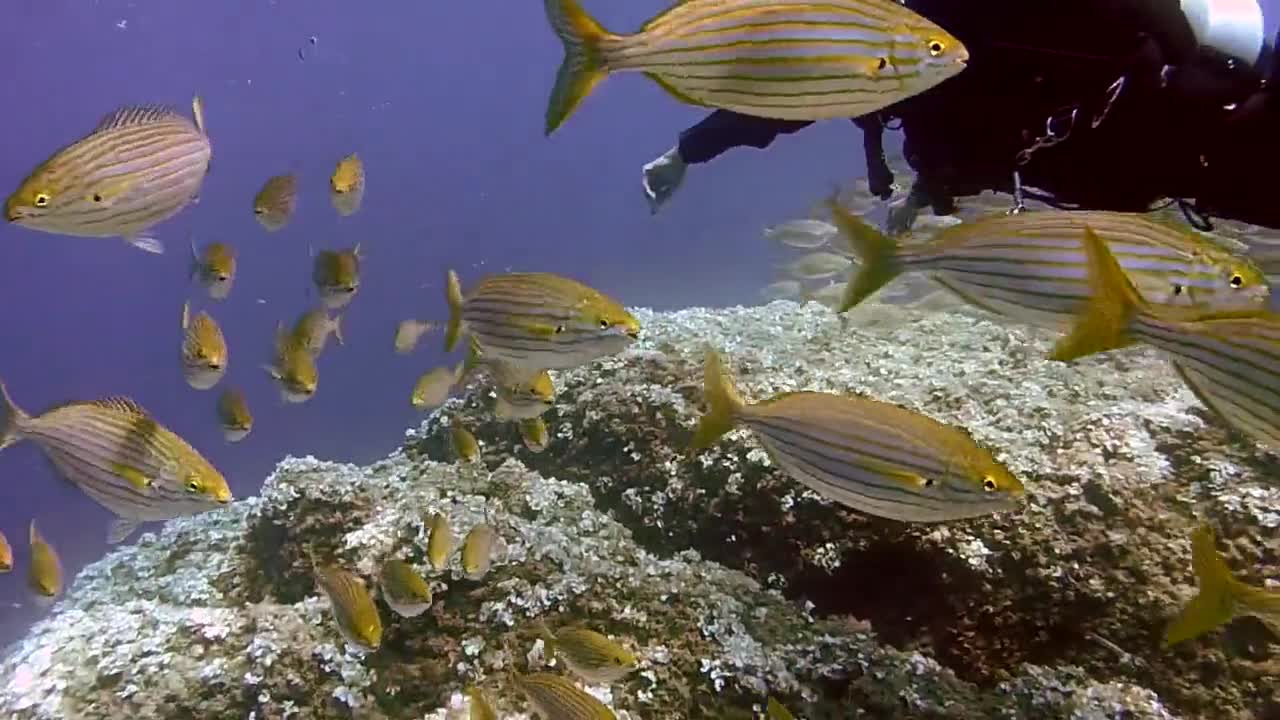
138 115
123 404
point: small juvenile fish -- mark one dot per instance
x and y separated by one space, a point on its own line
805 234
818 265
313 328
403 589
477 551
481 708
336 274
138 168
1032 267
776 711
533 432
784 59
233 413
872 456
353 608
524 399
45 574
294 368
204 350
275 202
434 387
439 541
409 332
215 268
554 697
1220 597
781 290
346 185
465 446
1229 359
537 321
588 654
6 554
119 456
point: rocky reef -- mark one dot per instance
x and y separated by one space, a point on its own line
726 578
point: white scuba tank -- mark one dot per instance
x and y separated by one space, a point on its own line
1232 27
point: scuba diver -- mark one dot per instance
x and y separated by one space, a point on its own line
1101 104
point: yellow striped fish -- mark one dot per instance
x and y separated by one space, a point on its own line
523 399
121 457
874 457
139 167
409 332
353 609
534 434
346 185
275 202
294 368
1220 597
234 415
537 321
554 696
1229 359
44 576
215 268
465 446
336 274
204 350
784 59
588 654
1032 266
403 589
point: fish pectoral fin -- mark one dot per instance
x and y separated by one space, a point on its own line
146 243
273 372
114 188
907 478
542 330
133 475
119 529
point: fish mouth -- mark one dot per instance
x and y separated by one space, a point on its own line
12 214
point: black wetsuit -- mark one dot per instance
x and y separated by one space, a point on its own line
1183 123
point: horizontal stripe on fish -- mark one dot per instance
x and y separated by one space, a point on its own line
555 696
768 58
871 456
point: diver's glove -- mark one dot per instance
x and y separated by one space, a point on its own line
661 178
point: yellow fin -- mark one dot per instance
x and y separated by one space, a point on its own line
877 252
583 66
724 402
133 475
1113 302
1214 603
453 295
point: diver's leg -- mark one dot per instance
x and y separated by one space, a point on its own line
717 133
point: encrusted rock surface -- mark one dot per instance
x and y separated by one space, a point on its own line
727 579
1119 460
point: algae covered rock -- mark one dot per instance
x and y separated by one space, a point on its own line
1119 460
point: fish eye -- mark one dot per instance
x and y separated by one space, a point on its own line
215 365
193 485
604 323
1236 280
929 482
989 484
41 199
559 329
936 48
258 211
884 62
223 277
1177 289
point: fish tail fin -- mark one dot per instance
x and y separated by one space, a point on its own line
337 329
583 66
1113 302
197 112
12 418
877 253
453 295
723 400
1215 601
195 260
